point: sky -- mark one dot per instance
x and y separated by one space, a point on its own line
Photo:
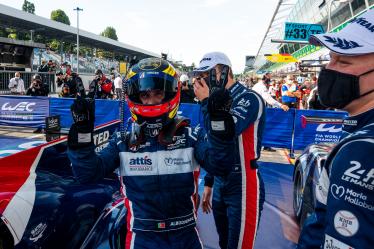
185 30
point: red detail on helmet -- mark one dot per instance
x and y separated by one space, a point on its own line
152 111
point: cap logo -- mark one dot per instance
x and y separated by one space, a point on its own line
342 43
205 59
364 23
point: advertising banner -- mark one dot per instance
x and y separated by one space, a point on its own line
301 31
105 110
278 128
23 111
313 126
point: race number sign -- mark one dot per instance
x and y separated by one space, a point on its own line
301 31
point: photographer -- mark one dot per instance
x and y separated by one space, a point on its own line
37 88
100 87
187 94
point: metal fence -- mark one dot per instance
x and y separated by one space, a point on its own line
5 77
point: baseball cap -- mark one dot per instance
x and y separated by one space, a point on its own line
212 59
357 38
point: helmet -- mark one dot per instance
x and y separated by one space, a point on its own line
153 74
183 78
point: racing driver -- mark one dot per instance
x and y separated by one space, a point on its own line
158 157
344 213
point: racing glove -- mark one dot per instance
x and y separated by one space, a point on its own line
80 133
221 122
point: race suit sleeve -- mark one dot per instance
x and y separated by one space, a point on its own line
89 166
246 110
213 154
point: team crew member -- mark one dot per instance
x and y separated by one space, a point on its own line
158 158
343 216
238 196
262 88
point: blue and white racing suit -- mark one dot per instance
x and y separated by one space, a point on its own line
238 197
344 213
158 183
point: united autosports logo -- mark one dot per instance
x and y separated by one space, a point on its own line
140 164
21 106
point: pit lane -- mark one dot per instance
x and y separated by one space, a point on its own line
278 228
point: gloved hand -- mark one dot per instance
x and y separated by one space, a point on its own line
221 122
80 133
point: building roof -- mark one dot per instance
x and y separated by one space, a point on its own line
11 17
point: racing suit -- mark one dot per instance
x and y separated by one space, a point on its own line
343 216
158 183
238 197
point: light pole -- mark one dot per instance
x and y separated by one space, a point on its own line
329 11
78 9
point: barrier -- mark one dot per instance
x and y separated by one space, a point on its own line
293 130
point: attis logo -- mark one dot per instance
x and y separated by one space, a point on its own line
141 161
21 106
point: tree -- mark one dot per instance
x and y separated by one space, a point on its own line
28 7
110 32
60 16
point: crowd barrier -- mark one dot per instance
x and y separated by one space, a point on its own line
293 130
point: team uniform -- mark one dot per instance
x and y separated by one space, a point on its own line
346 186
238 197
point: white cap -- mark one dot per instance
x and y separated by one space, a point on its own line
212 59
356 38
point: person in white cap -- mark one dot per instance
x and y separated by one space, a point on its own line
238 195
344 212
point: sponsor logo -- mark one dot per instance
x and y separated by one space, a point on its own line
181 222
37 232
169 161
361 177
140 164
205 59
349 195
332 243
21 106
244 103
179 142
332 129
240 108
364 23
100 138
346 223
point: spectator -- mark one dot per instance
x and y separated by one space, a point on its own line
37 87
118 86
313 101
273 89
43 68
16 85
187 94
290 93
305 90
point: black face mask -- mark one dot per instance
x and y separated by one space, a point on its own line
336 89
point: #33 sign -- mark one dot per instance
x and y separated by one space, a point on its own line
301 31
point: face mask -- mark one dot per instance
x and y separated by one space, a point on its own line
336 89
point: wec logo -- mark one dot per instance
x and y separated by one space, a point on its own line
332 129
21 106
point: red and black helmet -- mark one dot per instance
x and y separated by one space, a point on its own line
148 75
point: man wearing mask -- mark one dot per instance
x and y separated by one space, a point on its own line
187 94
343 216
16 85
238 195
157 156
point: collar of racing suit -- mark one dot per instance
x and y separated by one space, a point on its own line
354 123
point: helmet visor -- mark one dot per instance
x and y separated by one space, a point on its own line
149 83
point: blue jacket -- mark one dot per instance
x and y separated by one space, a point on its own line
158 181
344 211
